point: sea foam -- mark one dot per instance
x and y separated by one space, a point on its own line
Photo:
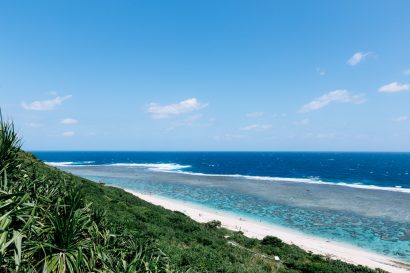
162 167
303 180
59 164
70 163
178 168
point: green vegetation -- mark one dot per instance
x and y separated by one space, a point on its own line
51 221
46 226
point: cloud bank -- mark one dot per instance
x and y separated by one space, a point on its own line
339 96
394 87
45 105
69 121
357 58
158 111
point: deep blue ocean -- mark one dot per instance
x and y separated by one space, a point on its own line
362 199
378 169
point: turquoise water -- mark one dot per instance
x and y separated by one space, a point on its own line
377 169
358 198
377 220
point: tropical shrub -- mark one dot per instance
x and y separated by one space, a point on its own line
45 225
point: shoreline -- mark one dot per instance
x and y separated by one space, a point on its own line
254 229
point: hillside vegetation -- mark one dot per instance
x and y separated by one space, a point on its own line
51 221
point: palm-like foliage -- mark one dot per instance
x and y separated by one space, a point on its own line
46 227
65 239
129 255
9 147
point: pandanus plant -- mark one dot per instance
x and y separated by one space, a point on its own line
45 226
9 147
16 210
64 242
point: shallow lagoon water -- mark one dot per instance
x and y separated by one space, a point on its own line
378 220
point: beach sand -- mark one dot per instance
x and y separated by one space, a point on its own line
259 230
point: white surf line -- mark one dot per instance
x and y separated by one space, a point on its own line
177 169
297 180
255 229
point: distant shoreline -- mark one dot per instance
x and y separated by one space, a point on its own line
255 229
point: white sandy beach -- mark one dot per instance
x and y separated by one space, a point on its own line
255 229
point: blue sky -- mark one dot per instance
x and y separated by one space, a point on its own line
207 75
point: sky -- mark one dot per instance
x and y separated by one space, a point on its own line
173 75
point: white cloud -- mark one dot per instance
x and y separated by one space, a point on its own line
69 121
255 114
340 96
164 111
68 134
394 87
45 105
406 72
401 119
256 127
357 58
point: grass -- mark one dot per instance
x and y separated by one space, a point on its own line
51 221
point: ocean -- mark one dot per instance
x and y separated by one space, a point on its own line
362 199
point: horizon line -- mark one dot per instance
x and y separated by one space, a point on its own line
223 151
